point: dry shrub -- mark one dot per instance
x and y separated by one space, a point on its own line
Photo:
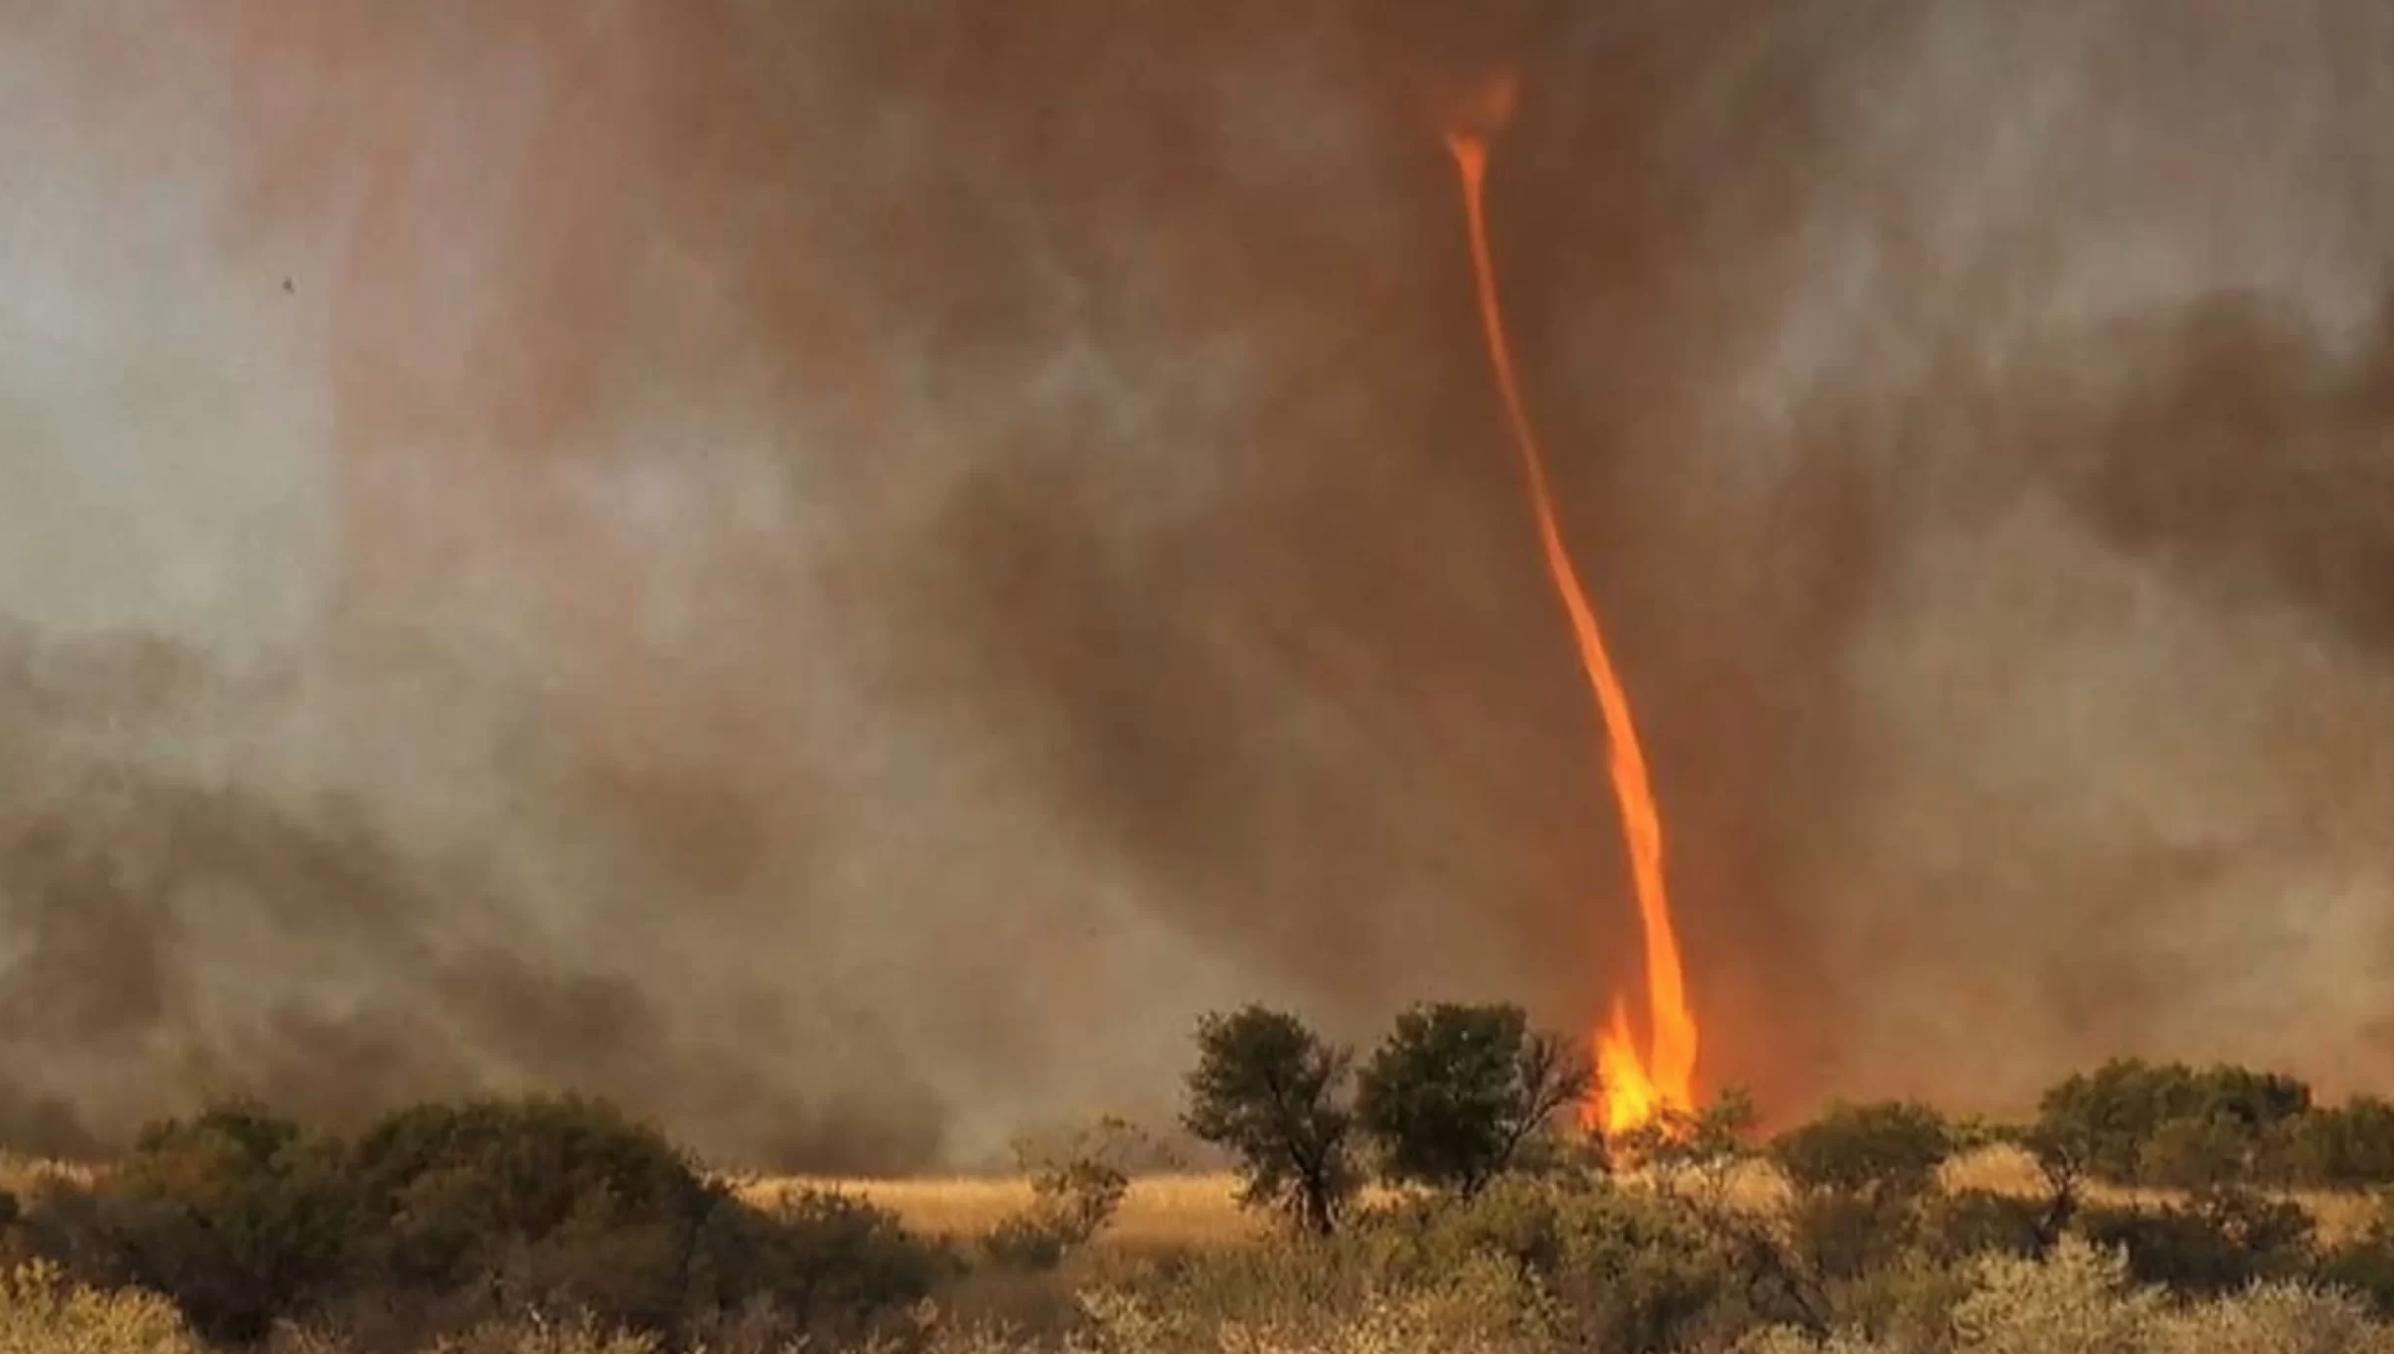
2276 1318
41 1312
2078 1300
1076 1188
1483 1306
2082 1300
535 1334
1529 1264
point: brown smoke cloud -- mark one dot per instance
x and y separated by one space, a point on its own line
838 570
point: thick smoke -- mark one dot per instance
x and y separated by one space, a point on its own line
837 571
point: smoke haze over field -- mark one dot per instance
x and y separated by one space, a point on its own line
838 570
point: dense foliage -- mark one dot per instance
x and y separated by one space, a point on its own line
1458 1092
1270 1092
439 1217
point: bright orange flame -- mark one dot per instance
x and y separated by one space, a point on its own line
1632 1088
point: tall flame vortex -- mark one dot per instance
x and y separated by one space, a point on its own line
1632 1088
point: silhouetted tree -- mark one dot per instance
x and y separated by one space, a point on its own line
1268 1090
1457 1091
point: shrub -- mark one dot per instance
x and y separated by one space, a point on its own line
2197 1154
2347 1147
1268 1090
491 1206
1890 1151
2219 1241
503 1207
1976 1222
1629 1270
2078 1300
1859 1172
2082 1301
42 1312
234 1215
1286 1296
2364 1264
441 1217
2271 1318
1907 1304
1076 1188
536 1334
1457 1092
1839 1234
1033 1239
2107 1119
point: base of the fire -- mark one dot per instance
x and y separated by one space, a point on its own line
1436 1194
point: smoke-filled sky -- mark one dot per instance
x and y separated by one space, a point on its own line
838 570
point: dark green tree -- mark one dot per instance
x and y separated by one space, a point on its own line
1457 1092
1270 1091
1860 1173
236 1214
2168 1123
1891 1150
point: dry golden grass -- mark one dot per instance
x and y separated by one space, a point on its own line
1202 1210
1159 1210
22 1174
2009 1170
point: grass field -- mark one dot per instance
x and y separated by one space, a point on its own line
1188 1210
1202 1210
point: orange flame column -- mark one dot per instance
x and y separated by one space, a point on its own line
1633 1088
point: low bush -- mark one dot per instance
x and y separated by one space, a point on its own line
1889 1151
235 1215
1839 1234
443 1218
537 1334
2363 1264
2168 1123
1627 1269
1076 1188
2349 1146
42 1311
1965 1223
2217 1242
480 1209
2084 1300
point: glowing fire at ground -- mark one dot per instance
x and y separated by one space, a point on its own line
1632 1088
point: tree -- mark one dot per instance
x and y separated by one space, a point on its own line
1457 1091
236 1214
1268 1090
2226 1115
1891 1150
1860 1172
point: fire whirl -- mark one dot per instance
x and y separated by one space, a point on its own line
1633 1087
